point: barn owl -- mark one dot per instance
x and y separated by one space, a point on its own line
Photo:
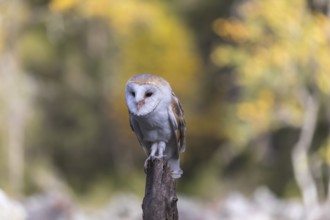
156 117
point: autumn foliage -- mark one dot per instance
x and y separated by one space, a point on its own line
243 72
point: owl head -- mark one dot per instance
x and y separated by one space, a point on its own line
145 93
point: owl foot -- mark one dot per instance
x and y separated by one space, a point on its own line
151 158
155 148
158 147
161 148
146 163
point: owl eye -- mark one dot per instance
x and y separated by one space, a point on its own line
148 94
133 93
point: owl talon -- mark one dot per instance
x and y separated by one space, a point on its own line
146 163
160 156
145 168
161 149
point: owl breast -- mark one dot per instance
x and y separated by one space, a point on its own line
155 127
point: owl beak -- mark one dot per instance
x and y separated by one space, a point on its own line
140 104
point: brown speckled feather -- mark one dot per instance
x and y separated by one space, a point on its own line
180 127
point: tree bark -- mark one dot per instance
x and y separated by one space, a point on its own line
160 200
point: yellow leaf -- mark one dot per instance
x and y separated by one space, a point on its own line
323 81
62 5
328 155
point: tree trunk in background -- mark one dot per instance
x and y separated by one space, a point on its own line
15 115
301 167
319 6
160 200
15 94
328 156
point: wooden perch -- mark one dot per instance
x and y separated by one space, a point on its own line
160 200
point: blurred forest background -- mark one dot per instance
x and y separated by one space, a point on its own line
253 77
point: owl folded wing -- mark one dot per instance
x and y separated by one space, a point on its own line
178 122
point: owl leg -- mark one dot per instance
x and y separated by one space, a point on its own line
153 150
161 149
152 155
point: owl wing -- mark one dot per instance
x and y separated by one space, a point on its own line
178 122
135 127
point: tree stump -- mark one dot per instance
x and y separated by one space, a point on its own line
160 200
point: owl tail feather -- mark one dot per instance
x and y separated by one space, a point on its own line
175 168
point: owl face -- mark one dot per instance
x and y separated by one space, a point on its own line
145 93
